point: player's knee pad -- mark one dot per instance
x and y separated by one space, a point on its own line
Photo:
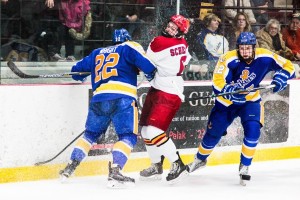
91 136
252 130
129 138
210 140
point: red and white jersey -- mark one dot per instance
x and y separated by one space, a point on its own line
170 55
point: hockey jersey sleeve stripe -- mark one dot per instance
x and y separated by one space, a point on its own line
219 76
221 70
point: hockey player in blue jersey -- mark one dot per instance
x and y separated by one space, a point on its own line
114 72
243 68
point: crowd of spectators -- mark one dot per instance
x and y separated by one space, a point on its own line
80 22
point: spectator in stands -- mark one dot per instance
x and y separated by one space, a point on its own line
261 16
145 10
71 15
296 4
126 15
271 38
231 13
240 24
213 43
291 35
147 28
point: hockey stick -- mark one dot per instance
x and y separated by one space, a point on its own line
46 161
21 74
230 93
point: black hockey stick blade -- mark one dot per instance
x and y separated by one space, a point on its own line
230 93
47 161
21 74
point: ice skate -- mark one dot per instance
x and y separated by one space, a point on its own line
196 164
117 180
177 172
243 172
68 171
154 172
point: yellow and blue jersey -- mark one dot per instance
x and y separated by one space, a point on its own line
114 70
230 69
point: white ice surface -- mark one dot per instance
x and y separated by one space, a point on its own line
270 180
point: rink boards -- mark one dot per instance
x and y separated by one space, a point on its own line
37 121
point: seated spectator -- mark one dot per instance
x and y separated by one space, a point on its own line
126 15
213 43
291 35
147 29
145 10
271 38
296 4
239 24
261 16
231 13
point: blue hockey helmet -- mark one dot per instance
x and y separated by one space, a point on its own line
246 38
120 36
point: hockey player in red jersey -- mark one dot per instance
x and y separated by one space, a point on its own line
241 69
170 54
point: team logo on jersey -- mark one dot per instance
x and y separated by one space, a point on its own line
246 78
244 75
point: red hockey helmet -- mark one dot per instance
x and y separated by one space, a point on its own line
182 23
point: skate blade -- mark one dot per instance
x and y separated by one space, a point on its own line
113 184
179 178
244 179
196 169
63 179
156 177
242 182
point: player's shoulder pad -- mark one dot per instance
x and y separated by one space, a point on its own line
229 56
263 51
136 46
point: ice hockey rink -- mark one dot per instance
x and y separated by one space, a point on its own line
271 180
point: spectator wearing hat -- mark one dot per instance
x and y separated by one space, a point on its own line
291 35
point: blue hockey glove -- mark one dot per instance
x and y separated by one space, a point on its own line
150 76
81 78
237 98
280 81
